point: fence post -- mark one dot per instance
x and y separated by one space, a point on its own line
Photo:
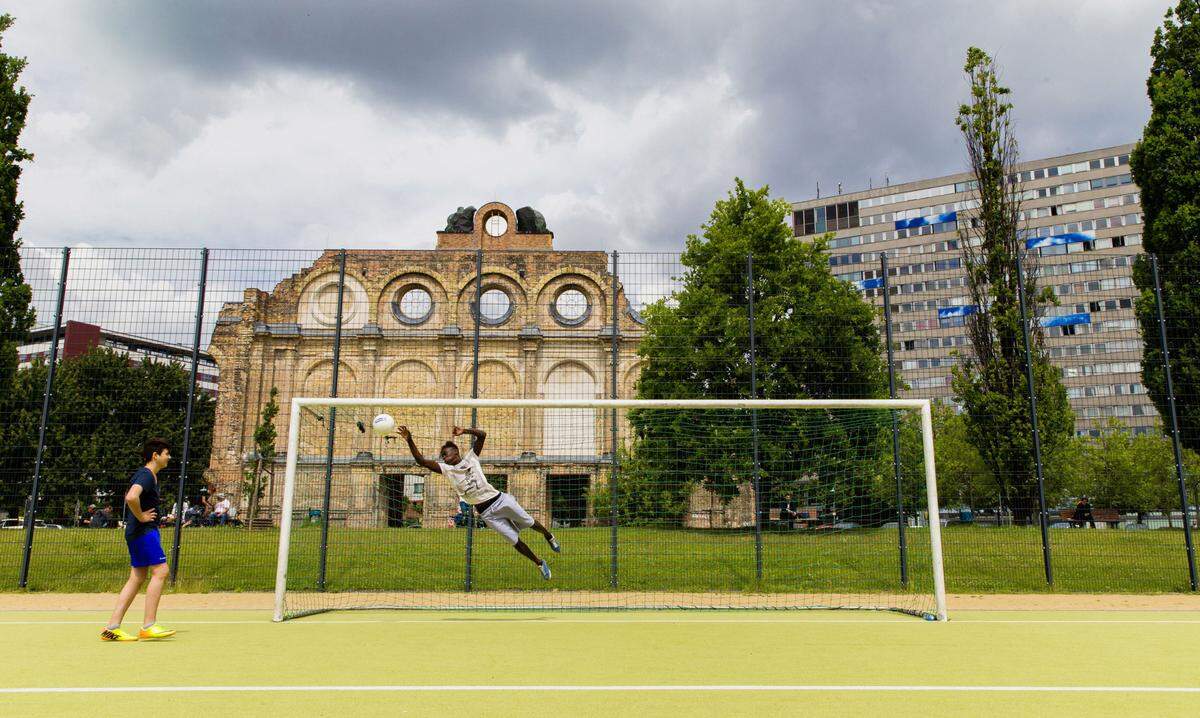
612 477
187 424
1033 419
758 547
1183 497
31 507
477 314
901 523
333 392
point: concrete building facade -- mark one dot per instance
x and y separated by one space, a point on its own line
1082 212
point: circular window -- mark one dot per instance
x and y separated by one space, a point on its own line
413 304
496 225
495 307
570 307
325 304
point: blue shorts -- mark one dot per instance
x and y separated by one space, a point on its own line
146 550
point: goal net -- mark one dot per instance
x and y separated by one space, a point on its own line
656 504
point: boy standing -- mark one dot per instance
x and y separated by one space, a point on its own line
145 548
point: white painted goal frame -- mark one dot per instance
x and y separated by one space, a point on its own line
920 405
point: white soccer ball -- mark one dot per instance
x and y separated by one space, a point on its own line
383 424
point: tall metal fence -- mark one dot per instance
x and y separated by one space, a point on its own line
194 345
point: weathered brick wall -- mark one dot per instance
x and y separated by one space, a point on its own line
283 338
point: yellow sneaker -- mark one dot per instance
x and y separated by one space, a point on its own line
116 634
155 632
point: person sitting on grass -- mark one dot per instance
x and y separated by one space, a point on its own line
220 514
500 511
102 519
145 548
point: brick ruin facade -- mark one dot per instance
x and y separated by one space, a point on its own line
283 338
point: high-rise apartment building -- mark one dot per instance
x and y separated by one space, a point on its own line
1081 213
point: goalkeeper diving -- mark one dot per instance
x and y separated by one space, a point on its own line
499 510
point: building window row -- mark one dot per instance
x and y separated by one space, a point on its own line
931 285
916 194
1103 305
1112 325
1030 194
935 228
933 363
1060 170
1119 367
1086 205
931 382
932 210
909 345
1099 412
1091 265
854 241
1075 187
1091 245
807 220
1128 345
1096 285
1088 225
1103 390
927 305
916 325
827 218
903 270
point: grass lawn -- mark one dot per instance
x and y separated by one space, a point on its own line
977 560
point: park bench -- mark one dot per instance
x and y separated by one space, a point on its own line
805 518
313 516
1110 517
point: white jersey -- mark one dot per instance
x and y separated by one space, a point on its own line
468 480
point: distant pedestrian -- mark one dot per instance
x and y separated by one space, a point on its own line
1083 512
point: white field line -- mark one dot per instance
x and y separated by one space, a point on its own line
606 688
619 621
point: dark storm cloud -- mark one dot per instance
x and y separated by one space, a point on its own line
851 91
469 59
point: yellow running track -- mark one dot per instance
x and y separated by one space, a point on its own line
609 664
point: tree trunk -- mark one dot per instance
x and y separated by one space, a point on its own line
252 513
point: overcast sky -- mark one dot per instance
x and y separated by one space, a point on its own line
310 123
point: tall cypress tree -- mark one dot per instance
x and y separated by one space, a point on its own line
1166 166
991 382
16 314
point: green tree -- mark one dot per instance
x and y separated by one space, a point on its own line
16 314
1166 167
102 409
990 381
963 477
816 338
1131 473
264 455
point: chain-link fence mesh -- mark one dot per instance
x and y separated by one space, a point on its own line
540 324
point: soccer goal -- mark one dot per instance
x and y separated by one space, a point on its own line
756 504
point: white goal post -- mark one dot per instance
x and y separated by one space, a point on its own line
345 405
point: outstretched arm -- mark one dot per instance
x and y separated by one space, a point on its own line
416 453
479 435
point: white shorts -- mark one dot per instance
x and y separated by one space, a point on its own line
506 517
